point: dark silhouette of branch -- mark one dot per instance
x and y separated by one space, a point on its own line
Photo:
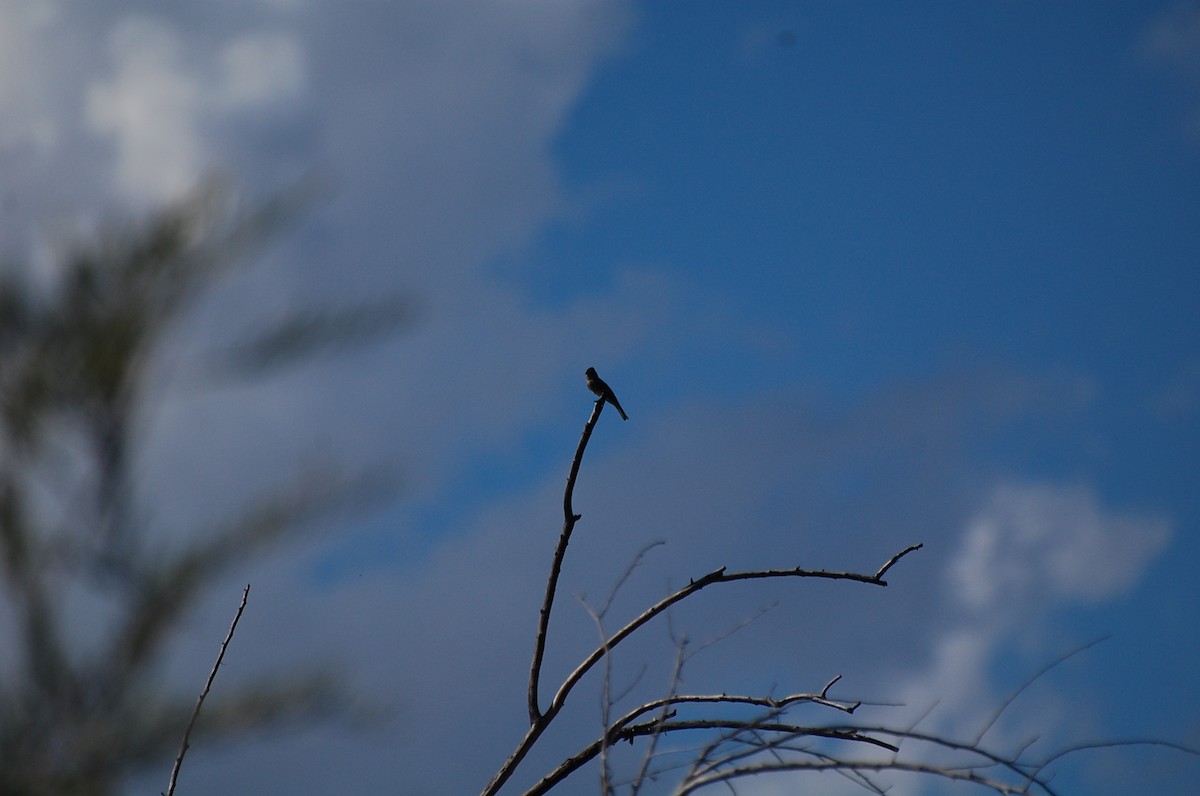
625 728
891 561
738 747
738 699
607 699
187 733
1014 774
664 713
560 552
712 578
663 727
539 718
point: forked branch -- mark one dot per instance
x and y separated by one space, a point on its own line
712 578
539 718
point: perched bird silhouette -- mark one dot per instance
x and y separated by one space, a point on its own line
597 385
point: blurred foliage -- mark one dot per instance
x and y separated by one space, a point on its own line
74 362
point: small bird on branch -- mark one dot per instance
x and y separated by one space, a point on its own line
597 385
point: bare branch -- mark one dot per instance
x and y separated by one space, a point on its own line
160 595
1084 747
891 561
560 552
624 578
664 713
736 699
716 576
733 747
721 770
183 747
540 720
661 727
1030 681
606 700
855 766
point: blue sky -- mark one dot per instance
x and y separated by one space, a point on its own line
863 275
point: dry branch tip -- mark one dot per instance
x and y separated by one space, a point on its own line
183 747
892 561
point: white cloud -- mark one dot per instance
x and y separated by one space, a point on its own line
1031 541
26 112
1026 551
441 140
158 106
150 108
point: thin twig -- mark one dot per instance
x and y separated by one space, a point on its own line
1084 747
606 700
183 747
664 714
542 719
634 563
834 764
1030 681
659 726
891 561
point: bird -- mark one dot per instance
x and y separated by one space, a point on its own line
597 385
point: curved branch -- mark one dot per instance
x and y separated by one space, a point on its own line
540 719
628 733
716 576
733 699
537 720
891 561
1027 774
832 764
560 552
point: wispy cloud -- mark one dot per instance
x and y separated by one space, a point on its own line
1173 39
157 106
1033 542
1028 552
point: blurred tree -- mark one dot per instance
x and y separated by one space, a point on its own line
75 361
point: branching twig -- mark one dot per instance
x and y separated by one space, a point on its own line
663 706
1023 775
734 699
716 576
725 769
735 747
183 747
855 766
658 726
540 719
